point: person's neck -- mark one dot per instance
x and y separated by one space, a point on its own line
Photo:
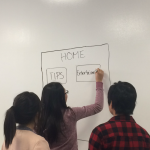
30 126
114 113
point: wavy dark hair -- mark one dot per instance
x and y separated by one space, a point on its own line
123 97
53 106
25 107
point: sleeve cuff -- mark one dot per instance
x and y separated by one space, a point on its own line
99 85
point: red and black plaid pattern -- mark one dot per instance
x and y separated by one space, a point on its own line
119 133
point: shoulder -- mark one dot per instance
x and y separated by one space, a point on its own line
3 146
41 144
142 130
100 129
30 137
28 140
69 113
38 141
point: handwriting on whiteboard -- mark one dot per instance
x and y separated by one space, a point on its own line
72 55
86 73
58 74
75 64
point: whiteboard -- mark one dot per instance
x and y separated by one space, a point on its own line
75 69
113 35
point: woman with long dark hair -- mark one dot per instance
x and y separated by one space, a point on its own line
25 110
58 122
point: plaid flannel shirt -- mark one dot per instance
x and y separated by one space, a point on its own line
119 133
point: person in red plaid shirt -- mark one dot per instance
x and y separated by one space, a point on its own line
121 132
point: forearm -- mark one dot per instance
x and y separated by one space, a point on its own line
85 111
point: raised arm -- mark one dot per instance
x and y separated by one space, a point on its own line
85 111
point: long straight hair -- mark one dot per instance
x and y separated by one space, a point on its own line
53 105
25 107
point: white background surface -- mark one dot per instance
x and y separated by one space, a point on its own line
29 27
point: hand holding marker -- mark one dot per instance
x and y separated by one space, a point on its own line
99 74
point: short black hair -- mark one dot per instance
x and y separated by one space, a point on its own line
123 97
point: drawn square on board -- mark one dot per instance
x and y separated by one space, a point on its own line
56 75
86 73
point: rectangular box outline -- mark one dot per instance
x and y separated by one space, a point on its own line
84 65
73 49
55 68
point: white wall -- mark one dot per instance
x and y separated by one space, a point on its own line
30 27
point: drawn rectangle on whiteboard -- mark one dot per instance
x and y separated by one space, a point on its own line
71 57
58 74
86 73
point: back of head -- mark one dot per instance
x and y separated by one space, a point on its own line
25 107
123 97
53 103
53 97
